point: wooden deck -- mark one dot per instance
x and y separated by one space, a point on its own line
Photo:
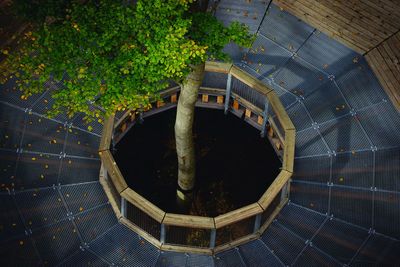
385 62
359 24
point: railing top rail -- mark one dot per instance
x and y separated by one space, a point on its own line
189 221
237 215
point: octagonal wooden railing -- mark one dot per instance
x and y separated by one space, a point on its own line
197 234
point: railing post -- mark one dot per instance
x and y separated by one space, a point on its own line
213 236
265 119
123 207
163 233
228 93
257 223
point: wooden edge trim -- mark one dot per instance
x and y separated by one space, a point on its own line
126 114
280 111
186 249
151 239
111 198
220 67
211 91
274 189
247 104
289 150
143 204
237 215
107 133
272 216
189 221
113 170
170 91
236 243
250 80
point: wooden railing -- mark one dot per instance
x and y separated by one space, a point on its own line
198 234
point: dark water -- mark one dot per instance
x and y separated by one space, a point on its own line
234 165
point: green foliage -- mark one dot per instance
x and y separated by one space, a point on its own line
114 55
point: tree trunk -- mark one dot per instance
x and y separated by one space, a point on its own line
183 129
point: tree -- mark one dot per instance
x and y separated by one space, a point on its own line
118 56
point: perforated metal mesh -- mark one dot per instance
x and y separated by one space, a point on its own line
188 236
310 195
84 258
312 257
387 170
11 224
309 143
340 240
79 170
387 213
11 126
144 221
235 231
248 93
229 258
19 252
256 253
319 173
167 259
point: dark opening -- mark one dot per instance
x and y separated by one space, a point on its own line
234 164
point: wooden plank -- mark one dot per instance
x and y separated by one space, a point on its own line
113 170
155 242
220 99
107 133
170 91
274 189
236 243
280 111
186 249
160 103
174 98
143 204
189 221
250 80
245 103
247 113
212 91
204 98
235 104
288 151
260 119
221 67
237 215
111 197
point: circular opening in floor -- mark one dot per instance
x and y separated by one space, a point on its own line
234 165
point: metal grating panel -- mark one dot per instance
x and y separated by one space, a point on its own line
11 127
333 105
310 143
283 243
56 242
143 220
113 245
301 221
312 257
353 169
19 252
387 170
44 105
248 93
90 224
171 259
77 170
215 80
360 86
352 205
256 253
327 54
84 258
188 236
284 28
344 134
235 231
382 124
41 207
266 57
312 196
140 253
313 169
378 251
285 96
200 260
80 143
299 117
229 258
10 93
10 221
247 12
43 135
340 240
95 126
8 161
36 170
387 213
83 196
299 77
